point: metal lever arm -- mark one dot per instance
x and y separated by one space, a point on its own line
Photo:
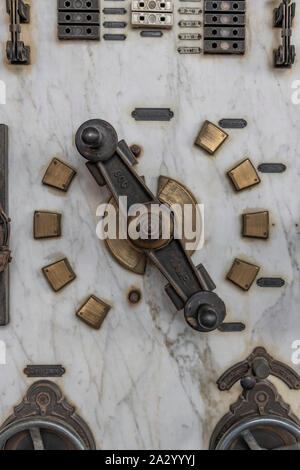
122 180
97 141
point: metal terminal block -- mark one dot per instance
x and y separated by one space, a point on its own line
235 6
189 36
78 32
78 19
190 24
220 32
219 46
189 11
151 20
152 5
224 27
16 51
189 50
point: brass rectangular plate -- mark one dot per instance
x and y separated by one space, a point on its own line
59 175
59 274
93 312
46 224
210 137
244 175
256 225
151 20
243 274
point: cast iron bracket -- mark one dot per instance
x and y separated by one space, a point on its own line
259 365
44 411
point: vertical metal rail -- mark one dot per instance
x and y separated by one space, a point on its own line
4 276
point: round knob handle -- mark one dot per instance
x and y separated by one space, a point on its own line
92 137
96 140
207 317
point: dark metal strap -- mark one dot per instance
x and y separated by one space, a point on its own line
5 257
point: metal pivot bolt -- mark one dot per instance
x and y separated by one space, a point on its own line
261 368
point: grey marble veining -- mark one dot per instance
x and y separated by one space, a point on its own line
146 380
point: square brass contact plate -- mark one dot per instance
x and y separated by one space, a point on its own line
256 225
210 137
243 274
59 175
59 274
244 175
46 225
93 312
